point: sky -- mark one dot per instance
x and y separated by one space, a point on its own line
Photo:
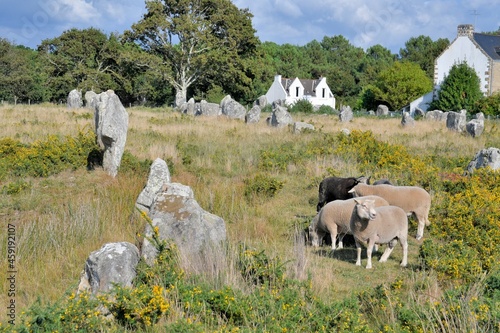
390 23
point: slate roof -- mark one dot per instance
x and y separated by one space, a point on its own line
489 43
309 85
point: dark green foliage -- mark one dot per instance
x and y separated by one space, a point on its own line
262 186
423 51
302 106
398 85
460 90
489 106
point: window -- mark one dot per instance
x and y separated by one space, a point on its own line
297 92
323 93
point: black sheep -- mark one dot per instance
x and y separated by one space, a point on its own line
337 188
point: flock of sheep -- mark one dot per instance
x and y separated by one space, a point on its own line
374 214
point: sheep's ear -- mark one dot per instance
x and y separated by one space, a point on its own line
352 190
357 201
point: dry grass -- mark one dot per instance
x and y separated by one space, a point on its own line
63 218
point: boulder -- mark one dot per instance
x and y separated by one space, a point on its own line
113 263
382 110
489 157
475 127
436 115
418 113
74 99
346 114
91 99
300 126
190 107
159 175
280 117
111 121
253 115
261 101
209 109
456 121
407 120
177 216
232 109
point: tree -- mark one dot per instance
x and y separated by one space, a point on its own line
401 83
84 59
21 76
460 89
423 51
197 39
343 72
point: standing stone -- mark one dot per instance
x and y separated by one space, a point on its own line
190 107
232 109
91 99
407 120
489 157
436 115
382 110
74 99
179 99
346 114
280 117
253 115
456 121
179 217
261 101
209 109
418 113
475 127
111 129
114 263
159 175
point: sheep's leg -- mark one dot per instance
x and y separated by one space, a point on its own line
369 249
333 234
404 245
422 222
341 241
358 253
387 253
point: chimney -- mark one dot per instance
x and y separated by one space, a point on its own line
465 30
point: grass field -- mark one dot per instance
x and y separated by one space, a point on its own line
63 217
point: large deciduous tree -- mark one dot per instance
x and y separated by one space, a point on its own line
197 40
21 76
460 89
84 59
423 51
399 84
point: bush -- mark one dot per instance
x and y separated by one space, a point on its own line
302 106
262 186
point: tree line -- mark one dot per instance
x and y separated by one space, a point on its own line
208 49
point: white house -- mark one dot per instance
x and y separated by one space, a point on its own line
479 51
316 92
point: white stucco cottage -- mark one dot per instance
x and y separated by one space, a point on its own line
316 92
479 51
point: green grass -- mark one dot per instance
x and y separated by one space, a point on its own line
263 182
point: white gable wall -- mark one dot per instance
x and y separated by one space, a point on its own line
295 91
276 91
462 49
324 95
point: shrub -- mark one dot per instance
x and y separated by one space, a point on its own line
303 106
262 186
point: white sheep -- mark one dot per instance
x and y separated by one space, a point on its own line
372 225
335 218
412 199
